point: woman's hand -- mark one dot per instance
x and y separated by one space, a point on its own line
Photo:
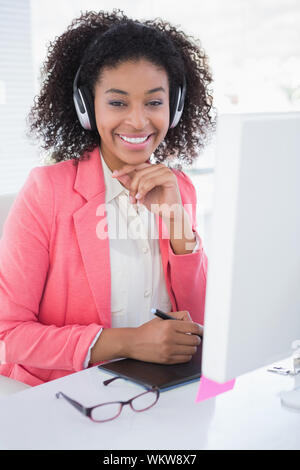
155 186
166 341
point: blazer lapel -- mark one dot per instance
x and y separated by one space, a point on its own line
90 222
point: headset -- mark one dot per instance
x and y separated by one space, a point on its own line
84 104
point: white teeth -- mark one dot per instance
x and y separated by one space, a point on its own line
134 140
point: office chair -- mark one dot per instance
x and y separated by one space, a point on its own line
6 201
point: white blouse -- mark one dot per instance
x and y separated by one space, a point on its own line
137 278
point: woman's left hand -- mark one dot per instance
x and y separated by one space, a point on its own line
155 186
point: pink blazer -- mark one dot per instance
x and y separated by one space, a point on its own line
55 271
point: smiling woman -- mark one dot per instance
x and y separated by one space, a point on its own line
72 293
98 41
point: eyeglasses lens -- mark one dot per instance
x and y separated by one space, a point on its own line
144 401
106 412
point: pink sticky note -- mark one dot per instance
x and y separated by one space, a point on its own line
208 388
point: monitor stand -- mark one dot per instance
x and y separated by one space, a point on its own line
291 399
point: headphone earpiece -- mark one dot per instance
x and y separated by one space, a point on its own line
84 104
177 105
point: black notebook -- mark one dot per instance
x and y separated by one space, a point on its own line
163 376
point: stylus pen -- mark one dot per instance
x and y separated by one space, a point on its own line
166 316
161 314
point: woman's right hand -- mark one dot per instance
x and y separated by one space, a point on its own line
166 341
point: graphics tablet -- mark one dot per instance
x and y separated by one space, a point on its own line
163 376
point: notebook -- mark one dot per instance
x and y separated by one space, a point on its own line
163 376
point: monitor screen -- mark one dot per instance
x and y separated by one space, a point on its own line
252 310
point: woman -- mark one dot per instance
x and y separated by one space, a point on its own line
74 291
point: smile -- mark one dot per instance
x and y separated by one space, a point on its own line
134 140
137 143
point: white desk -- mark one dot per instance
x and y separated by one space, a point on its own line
248 417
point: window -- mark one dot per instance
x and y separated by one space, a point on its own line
16 93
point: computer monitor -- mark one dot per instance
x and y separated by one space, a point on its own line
252 310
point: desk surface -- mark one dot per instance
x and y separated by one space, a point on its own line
248 417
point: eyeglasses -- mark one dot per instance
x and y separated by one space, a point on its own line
111 410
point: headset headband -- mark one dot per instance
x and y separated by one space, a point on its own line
85 107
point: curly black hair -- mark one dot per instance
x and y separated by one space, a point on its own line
53 116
